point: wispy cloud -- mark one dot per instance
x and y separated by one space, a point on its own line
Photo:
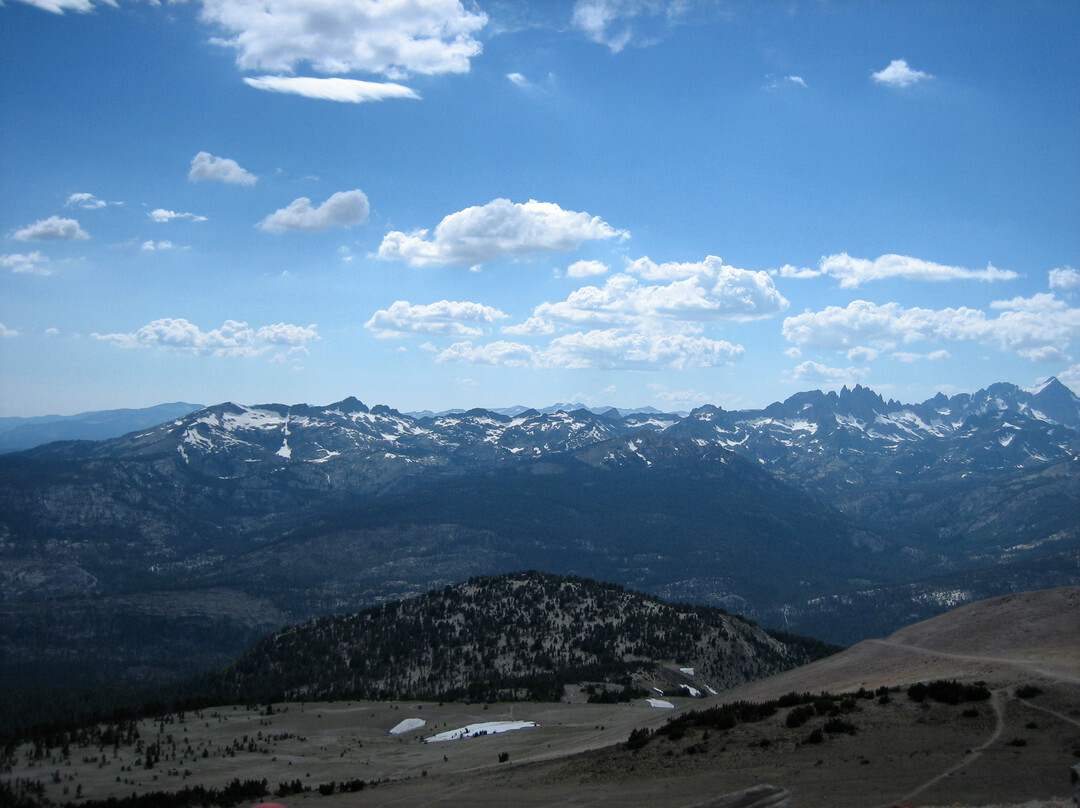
60 6
33 263
617 23
853 272
86 201
350 91
233 338
815 373
162 216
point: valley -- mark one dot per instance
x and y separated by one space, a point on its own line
149 557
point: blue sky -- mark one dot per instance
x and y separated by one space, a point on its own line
435 204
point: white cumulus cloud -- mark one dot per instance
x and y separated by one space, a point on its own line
446 317
585 269
352 91
388 37
343 209
33 263
698 292
233 338
1064 278
500 228
52 229
204 166
853 272
898 74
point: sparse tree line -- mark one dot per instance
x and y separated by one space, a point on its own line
511 637
500 637
803 707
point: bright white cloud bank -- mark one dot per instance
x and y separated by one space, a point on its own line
343 209
898 74
697 292
632 324
1039 328
52 229
347 90
233 338
388 37
613 349
853 272
447 317
204 166
500 228
608 349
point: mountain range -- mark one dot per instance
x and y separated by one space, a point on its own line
837 515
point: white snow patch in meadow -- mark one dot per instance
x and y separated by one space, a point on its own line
661 704
658 690
693 691
484 728
285 451
687 671
711 690
408 725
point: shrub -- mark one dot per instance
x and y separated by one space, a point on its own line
638 738
838 725
1027 692
799 716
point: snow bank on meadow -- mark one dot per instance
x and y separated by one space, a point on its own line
485 728
408 725
663 705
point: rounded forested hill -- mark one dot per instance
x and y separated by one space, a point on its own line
521 635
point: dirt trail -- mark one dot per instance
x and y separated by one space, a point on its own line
999 725
1054 713
995 703
1025 665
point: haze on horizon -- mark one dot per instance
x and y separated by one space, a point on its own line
455 204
